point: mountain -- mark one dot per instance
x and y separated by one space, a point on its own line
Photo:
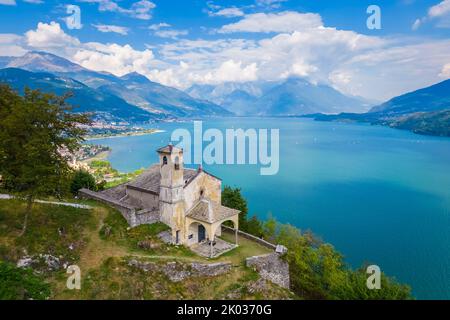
154 97
294 96
424 111
104 105
432 98
39 61
134 89
43 61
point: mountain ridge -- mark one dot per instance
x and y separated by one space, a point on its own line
423 111
133 89
292 96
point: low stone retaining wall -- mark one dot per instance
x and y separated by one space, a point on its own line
212 269
146 216
133 217
271 267
251 237
177 271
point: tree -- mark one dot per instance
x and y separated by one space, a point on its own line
38 133
82 179
232 198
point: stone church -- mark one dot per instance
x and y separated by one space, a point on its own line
187 200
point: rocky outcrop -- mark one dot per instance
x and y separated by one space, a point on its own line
271 267
42 262
177 271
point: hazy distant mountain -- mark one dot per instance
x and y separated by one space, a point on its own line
106 106
424 111
154 97
432 98
293 96
134 88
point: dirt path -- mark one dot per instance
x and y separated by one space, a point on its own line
98 250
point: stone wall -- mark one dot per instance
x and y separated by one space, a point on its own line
271 267
211 269
133 217
147 216
251 237
177 271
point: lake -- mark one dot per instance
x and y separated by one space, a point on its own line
379 195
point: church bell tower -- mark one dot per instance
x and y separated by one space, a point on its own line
171 199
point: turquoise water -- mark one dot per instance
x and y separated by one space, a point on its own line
377 194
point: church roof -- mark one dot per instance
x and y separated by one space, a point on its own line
210 211
169 149
150 179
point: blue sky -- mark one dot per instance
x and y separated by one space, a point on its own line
182 42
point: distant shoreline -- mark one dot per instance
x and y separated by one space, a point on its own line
123 134
100 156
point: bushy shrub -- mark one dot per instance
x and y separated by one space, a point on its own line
82 179
20 284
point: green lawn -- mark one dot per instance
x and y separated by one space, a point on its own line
246 248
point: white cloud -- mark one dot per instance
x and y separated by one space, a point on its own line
445 72
416 25
228 12
34 1
369 66
8 2
158 26
287 21
113 58
386 72
139 10
172 34
269 3
231 71
48 36
11 45
439 12
111 28
160 30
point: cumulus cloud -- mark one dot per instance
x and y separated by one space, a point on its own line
369 66
8 2
111 28
386 72
113 58
287 21
139 10
230 71
48 36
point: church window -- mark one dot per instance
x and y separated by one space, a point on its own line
164 160
177 163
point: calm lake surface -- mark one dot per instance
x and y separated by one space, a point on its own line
379 195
